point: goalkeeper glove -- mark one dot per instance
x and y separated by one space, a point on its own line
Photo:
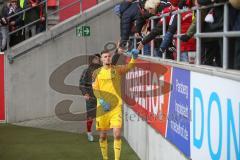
134 53
104 104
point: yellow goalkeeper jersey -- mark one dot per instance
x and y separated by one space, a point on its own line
107 84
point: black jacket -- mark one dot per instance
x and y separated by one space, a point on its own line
6 12
85 82
157 30
217 25
129 13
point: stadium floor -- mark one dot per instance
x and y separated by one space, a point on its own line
27 143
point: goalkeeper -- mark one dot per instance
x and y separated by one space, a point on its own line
107 89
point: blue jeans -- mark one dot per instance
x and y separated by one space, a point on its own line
147 49
184 56
157 53
4 31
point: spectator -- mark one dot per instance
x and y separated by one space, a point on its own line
3 27
208 45
147 13
145 31
85 85
234 25
142 20
41 25
129 11
32 15
186 20
23 4
15 22
216 25
157 8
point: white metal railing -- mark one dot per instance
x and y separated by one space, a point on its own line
46 17
225 34
44 2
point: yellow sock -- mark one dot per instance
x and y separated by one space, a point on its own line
117 148
104 148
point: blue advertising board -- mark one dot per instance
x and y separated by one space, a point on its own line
178 126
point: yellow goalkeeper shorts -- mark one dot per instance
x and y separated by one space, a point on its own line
109 120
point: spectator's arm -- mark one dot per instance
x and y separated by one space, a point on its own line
166 41
169 35
126 25
42 11
192 28
115 58
154 33
4 15
18 20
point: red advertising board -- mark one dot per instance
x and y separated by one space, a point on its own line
2 104
147 89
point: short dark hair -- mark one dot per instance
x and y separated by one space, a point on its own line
91 57
105 51
97 55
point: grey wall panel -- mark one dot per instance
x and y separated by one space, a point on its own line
135 131
145 141
28 93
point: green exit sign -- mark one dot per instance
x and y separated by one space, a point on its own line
83 31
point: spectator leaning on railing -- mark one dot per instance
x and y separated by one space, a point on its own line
157 9
129 11
36 12
209 45
14 22
154 7
32 15
186 20
213 22
142 18
3 27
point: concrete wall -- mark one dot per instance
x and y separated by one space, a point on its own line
28 94
145 141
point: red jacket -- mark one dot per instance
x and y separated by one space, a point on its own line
185 23
186 20
167 10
